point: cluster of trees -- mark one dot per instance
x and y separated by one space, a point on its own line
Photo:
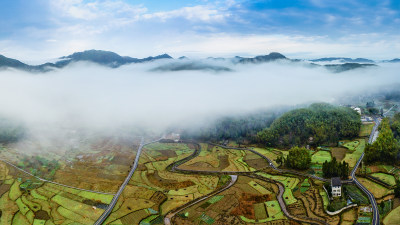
298 158
238 128
318 124
10 131
385 148
335 169
395 125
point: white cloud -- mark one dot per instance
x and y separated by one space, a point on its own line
196 13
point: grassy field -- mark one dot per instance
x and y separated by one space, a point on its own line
366 129
387 178
357 148
320 157
377 190
393 217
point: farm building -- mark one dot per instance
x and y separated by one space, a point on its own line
336 187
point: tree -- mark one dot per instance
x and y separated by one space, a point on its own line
335 169
298 158
385 148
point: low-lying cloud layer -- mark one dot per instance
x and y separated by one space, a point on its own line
85 95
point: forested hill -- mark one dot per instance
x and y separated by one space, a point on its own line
318 124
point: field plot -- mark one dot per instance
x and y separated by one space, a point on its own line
214 158
271 153
320 157
339 153
46 203
356 149
377 190
366 129
349 217
248 201
386 178
393 217
97 163
153 191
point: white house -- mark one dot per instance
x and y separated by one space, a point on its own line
336 187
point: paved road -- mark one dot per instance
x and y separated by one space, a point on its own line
52 182
110 207
375 211
168 217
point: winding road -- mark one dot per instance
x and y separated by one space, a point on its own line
375 210
110 207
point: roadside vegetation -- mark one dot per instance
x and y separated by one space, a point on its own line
386 148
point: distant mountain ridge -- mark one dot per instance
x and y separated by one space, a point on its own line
104 58
113 60
343 60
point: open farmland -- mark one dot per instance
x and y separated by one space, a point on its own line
40 203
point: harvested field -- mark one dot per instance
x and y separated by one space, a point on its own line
393 217
377 190
349 217
339 153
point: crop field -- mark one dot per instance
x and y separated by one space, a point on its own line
366 129
46 203
387 178
377 190
219 159
393 217
339 153
154 191
349 217
241 203
320 157
356 149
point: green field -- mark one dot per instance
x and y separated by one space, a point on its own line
366 129
357 149
320 157
356 194
387 178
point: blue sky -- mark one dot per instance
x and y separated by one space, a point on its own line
41 29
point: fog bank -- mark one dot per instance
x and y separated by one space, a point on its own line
90 96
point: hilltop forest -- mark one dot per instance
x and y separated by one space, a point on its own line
319 124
